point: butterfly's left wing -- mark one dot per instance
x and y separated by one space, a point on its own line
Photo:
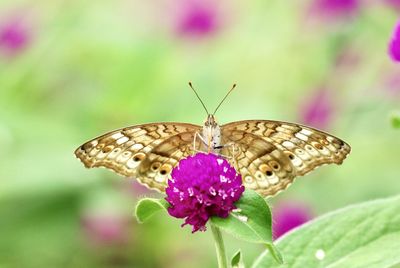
302 147
264 168
146 152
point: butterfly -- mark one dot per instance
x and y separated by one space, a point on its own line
268 154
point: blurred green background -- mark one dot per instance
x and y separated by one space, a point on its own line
72 70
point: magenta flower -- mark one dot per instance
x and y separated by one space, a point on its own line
202 186
393 3
317 111
14 36
289 215
334 8
394 44
197 18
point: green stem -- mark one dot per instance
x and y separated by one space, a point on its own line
219 246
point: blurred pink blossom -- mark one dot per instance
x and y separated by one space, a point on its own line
140 191
348 58
317 110
106 228
197 18
391 84
394 44
288 215
14 35
332 9
393 3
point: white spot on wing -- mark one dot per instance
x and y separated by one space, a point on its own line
159 178
131 163
306 132
124 157
122 140
305 156
94 143
301 136
114 153
249 179
146 150
137 146
220 161
263 183
297 161
330 139
117 135
93 152
273 180
288 144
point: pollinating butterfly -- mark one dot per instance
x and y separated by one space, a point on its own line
268 154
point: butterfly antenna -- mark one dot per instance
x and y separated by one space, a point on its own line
191 86
227 94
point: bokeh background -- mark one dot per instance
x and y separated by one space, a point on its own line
72 70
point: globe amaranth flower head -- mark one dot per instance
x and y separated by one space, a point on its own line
393 3
394 44
14 36
202 186
289 215
318 109
197 18
329 9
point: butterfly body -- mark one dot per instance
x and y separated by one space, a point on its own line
268 154
210 136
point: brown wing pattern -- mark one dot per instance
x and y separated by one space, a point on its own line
304 148
263 166
146 152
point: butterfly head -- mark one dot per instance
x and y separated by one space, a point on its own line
210 122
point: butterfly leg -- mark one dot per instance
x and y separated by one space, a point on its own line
197 134
232 152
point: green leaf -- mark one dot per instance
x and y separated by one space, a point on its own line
250 222
237 261
396 120
147 207
364 235
276 254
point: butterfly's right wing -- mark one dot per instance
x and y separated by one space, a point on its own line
146 152
301 147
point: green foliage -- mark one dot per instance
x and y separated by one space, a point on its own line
364 235
251 221
147 207
396 120
237 260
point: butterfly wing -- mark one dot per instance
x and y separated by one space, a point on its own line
304 148
146 152
263 166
